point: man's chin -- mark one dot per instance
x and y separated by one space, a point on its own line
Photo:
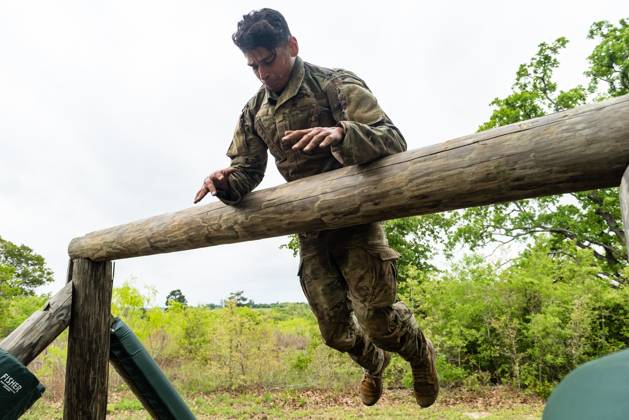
274 87
271 87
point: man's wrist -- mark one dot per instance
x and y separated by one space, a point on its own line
341 131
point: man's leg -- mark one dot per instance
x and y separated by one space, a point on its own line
370 273
326 292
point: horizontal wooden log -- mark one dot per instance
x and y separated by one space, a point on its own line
28 340
575 150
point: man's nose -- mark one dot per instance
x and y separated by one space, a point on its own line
263 73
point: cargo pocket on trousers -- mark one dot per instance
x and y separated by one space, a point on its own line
385 285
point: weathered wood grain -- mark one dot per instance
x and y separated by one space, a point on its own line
41 328
624 205
87 369
575 150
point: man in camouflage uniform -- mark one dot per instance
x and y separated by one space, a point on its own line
312 120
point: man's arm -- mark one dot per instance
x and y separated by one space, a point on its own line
248 162
363 132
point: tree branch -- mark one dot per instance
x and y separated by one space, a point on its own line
545 93
606 216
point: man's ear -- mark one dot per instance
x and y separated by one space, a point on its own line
293 46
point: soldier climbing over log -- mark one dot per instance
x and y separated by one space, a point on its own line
313 120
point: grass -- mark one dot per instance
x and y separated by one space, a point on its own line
486 403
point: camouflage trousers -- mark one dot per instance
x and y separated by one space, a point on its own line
349 278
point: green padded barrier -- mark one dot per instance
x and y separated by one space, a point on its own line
597 390
19 388
154 390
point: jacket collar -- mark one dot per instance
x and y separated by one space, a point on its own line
291 89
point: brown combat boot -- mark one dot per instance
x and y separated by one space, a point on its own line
425 380
371 385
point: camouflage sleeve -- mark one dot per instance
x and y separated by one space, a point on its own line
249 156
369 133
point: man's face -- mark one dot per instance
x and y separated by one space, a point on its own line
274 67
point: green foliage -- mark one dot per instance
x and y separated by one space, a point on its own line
21 269
415 238
518 106
590 220
126 404
7 288
292 245
15 310
527 325
238 298
176 296
127 301
534 92
233 347
609 62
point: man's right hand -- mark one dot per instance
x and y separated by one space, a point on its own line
217 180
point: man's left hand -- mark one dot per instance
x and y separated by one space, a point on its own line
310 138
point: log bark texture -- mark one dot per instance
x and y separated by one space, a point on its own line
41 328
624 205
87 369
575 150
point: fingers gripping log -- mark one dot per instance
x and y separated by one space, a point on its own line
580 149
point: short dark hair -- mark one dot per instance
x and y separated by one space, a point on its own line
265 28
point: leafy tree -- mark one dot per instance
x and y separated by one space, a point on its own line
415 238
591 220
238 298
528 324
609 62
7 273
27 269
534 92
15 310
176 296
127 301
533 321
21 271
6 291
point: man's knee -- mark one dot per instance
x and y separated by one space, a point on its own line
338 338
376 322
386 323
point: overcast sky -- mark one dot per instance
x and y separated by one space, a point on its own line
116 111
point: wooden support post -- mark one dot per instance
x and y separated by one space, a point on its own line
624 205
87 370
41 328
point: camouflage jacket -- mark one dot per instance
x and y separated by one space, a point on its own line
314 97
